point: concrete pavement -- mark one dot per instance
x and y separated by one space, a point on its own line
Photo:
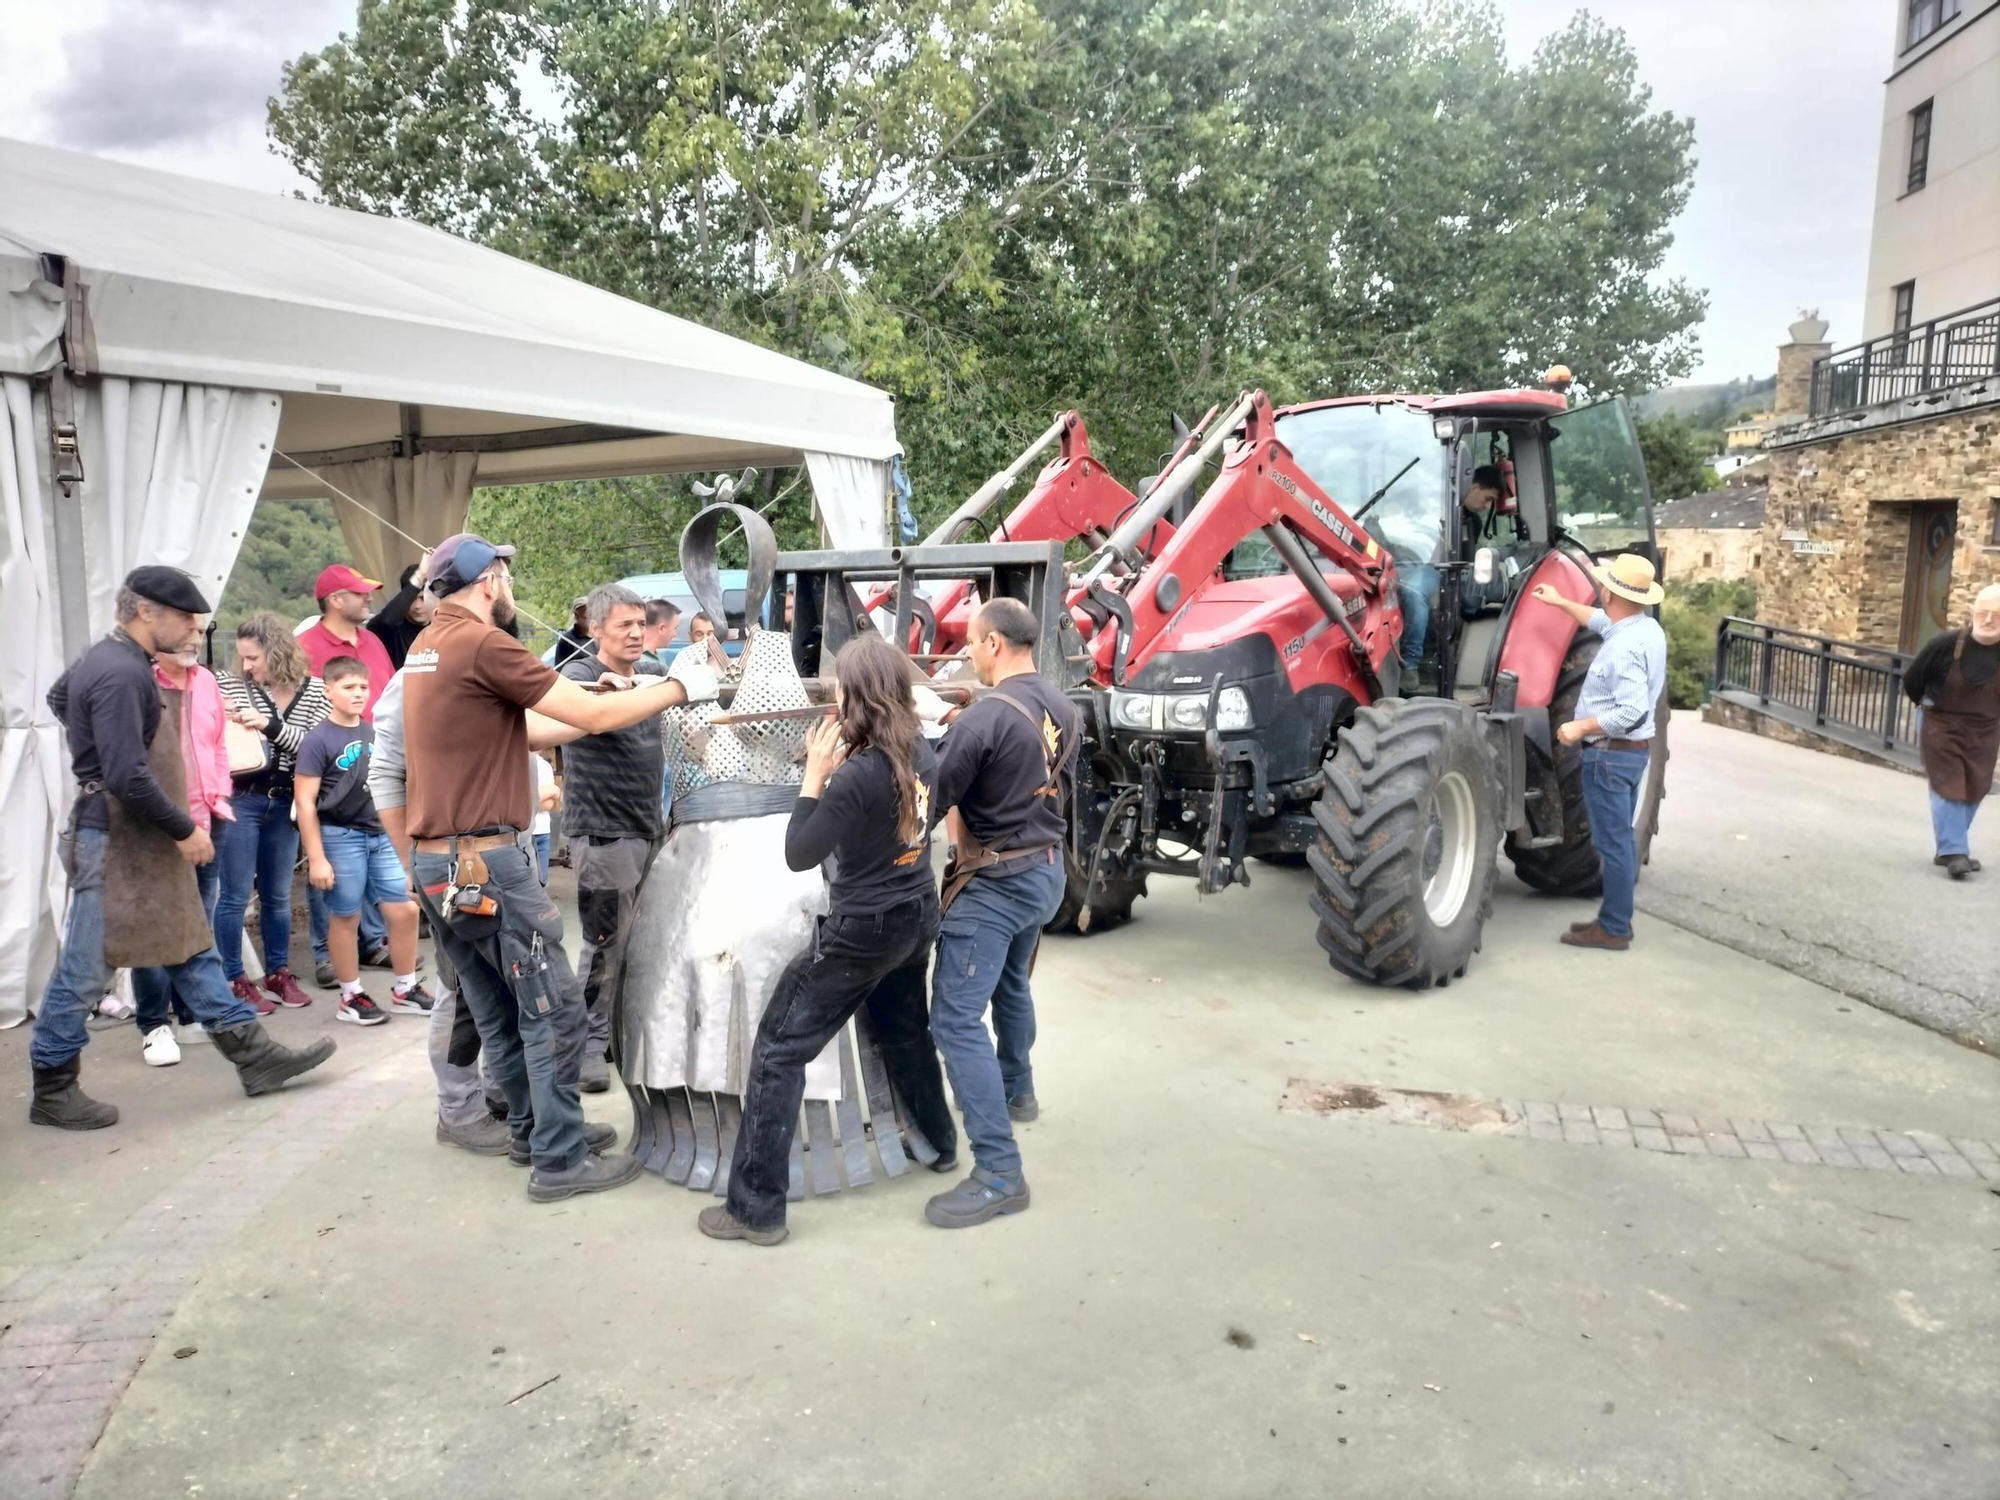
1210 1296
1823 866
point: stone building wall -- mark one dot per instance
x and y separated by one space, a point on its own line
1694 554
1851 497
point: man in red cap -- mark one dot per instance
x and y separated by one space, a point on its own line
344 609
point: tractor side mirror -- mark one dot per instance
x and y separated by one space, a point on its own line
1484 564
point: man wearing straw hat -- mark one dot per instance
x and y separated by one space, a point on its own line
1614 723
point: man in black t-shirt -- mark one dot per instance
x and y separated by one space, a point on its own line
612 814
1002 771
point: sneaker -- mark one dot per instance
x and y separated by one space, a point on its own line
159 1048
594 1174
245 990
283 985
377 959
323 974
1022 1108
361 1011
719 1223
115 1007
416 1000
980 1197
188 1034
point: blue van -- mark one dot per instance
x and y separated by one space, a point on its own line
674 587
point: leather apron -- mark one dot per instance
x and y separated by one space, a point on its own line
152 908
1961 734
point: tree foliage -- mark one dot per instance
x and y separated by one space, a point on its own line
1676 459
997 209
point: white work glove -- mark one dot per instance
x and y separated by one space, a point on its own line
697 680
930 707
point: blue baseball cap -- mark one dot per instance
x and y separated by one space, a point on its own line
459 559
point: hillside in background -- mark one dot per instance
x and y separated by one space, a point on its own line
286 545
1708 406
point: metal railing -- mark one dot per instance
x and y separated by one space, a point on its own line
1953 350
1837 685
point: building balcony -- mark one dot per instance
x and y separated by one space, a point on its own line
1959 349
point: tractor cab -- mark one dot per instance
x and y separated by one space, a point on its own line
1470 494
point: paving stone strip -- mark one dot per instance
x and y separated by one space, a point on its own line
76 1333
1918 1153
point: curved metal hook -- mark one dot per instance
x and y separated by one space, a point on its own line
698 548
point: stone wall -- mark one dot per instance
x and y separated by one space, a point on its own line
1793 397
1851 498
1693 554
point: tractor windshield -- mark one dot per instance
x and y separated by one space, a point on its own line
1352 451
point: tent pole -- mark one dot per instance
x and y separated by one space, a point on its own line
66 513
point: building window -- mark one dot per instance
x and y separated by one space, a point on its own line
1926 16
1708 559
1920 146
1756 559
1906 303
1994 540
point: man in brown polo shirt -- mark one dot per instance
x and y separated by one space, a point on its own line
467 688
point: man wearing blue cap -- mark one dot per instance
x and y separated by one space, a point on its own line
468 686
130 850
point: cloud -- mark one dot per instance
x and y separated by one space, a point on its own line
152 73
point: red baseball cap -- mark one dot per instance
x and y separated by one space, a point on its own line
341 578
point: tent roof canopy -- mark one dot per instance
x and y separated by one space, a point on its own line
386 337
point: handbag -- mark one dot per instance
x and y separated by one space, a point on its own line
250 754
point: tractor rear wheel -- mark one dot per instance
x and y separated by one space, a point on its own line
1571 867
1407 840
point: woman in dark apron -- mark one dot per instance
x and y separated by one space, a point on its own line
1956 680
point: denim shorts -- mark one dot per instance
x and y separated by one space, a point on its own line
365 868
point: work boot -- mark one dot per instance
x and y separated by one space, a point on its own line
594 1174
596 1076
59 1102
484 1136
719 1223
1023 1108
598 1138
262 1063
1959 866
1591 935
982 1196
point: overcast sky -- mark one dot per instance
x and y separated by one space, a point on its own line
1785 96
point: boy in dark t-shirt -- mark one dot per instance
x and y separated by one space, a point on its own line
348 855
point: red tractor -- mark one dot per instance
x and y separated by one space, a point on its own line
1247 699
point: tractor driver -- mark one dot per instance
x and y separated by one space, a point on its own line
1417 585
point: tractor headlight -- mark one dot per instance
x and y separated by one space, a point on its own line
1132 710
1232 709
1188 713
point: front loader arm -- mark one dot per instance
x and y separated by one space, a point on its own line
1261 488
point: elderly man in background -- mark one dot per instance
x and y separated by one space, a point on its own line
611 813
1955 679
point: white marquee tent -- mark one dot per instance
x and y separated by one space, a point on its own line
208 345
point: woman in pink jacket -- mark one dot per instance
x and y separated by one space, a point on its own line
205 754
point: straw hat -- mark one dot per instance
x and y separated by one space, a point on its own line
1630 576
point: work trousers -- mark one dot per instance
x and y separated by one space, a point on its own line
81 974
535 1054
609 873
1611 783
876 960
986 944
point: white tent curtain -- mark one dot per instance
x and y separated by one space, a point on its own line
852 495
34 765
171 475
427 496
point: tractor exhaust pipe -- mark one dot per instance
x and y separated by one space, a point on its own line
1122 548
983 497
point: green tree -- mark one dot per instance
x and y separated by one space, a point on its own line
1676 464
1691 615
285 546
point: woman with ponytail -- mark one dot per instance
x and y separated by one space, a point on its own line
866 804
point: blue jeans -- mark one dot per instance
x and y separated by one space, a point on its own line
1611 783
1416 586
533 1041
542 856
986 943
374 931
366 870
1951 822
81 973
152 991
257 851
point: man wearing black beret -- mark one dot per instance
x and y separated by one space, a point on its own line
130 849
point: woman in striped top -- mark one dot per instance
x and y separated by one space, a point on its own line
277 695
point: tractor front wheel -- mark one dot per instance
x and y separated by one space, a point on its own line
1407 839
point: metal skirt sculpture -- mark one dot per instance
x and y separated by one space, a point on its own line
720 919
